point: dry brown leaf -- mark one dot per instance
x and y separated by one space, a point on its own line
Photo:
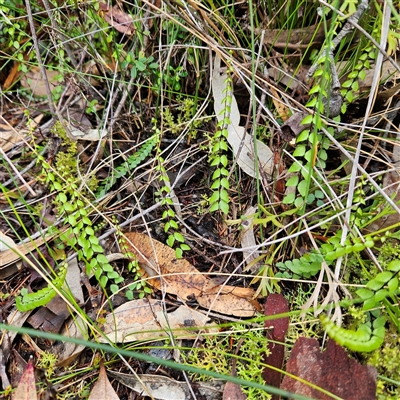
281 107
9 137
33 80
179 277
9 257
295 39
12 75
15 368
17 319
67 352
51 317
144 319
232 391
163 388
102 389
93 135
293 127
4 355
26 389
73 280
118 19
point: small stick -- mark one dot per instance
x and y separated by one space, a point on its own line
17 172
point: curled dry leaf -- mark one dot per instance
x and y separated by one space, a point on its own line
73 281
144 319
293 127
17 319
241 142
6 242
51 317
179 277
75 327
80 127
92 135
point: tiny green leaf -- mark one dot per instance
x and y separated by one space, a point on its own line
289 198
299 151
224 207
307 120
302 187
292 181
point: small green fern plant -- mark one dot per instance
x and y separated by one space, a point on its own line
127 166
311 146
381 291
350 86
306 267
218 148
310 263
138 285
79 233
175 239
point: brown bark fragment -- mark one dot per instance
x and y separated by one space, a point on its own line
276 304
332 370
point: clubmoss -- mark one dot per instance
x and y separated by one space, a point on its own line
386 361
218 352
67 162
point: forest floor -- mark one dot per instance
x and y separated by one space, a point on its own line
175 175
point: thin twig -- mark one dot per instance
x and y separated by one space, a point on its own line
61 36
20 177
39 58
54 110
